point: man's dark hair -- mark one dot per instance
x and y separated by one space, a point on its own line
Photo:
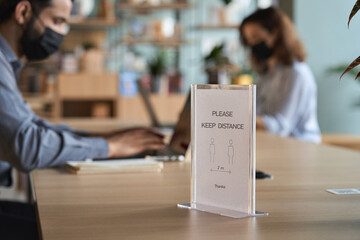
7 7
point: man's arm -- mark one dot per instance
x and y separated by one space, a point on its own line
39 147
60 127
28 145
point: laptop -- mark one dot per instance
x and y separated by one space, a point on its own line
181 136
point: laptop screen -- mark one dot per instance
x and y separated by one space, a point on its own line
180 140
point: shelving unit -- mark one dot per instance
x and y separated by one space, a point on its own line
162 6
103 88
76 94
75 90
166 106
219 24
148 9
38 101
92 23
157 43
217 27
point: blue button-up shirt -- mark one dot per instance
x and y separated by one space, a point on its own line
27 142
287 102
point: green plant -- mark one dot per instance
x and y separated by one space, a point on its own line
88 45
216 56
226 2
157 65
339 69
356 62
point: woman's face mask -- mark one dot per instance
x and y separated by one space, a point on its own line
261 51
259 39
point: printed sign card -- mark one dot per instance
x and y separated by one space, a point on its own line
223 149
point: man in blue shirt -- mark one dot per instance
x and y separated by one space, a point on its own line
35 29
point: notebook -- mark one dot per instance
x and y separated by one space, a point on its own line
114 166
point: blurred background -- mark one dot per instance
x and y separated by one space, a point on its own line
170 44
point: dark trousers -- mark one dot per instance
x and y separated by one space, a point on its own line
17 221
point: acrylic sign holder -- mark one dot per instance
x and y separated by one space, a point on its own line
223 143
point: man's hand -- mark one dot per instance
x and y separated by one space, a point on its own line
133 141
260 125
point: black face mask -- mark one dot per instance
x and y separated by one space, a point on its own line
42 47
261 51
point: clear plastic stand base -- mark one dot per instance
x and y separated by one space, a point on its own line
220 211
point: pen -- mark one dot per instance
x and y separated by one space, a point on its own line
157 158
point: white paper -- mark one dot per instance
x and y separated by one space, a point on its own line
113 163
344 191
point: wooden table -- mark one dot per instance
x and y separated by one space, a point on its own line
143 206
346 141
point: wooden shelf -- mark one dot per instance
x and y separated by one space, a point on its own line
163 6
38 101
229 68
167 107
218 27
87 86
38 98
88 98
159 43
92 23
